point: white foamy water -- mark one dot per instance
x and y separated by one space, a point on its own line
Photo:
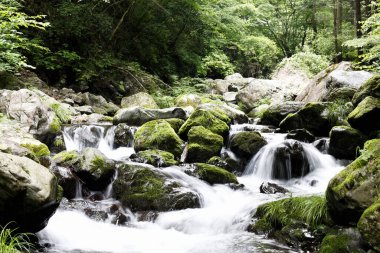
217 227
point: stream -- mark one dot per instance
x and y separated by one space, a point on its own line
218 226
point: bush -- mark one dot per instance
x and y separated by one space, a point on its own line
216 65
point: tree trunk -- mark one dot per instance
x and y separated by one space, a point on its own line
358 18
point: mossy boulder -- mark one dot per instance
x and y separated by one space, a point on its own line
313 117
343 241
247 144
225 112
157 158
369 225
188 100
370 88
175 123
203 144
158 134
214 175
301 135
222 163
143 188
206 119
38 149
123 136
277 112
355 188
345 142
366 116
141 99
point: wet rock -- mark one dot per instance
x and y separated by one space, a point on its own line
175 123
27 190
214 175
123 136
277 112
365 117
235 115
247 144
68 181
221 163
369 88
345 142
141 99
155 157
137 116
271 188
354 189
158 134
322 145
203 144
344 240
368 225
301 135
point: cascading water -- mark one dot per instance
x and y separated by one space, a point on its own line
218 226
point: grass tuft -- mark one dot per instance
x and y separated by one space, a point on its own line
12 242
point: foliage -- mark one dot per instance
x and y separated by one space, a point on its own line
338 111
13 41
310 63
216 65
13 242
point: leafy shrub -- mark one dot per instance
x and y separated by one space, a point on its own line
216 65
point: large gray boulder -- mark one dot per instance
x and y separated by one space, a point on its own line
277 112
332 80
141 99
29 193
236 116
370 88
137 116
366 116
345 142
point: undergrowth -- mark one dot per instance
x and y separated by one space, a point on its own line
12 242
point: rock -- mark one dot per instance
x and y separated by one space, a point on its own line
206 119
365 117
270 188
338 95
354 189
143 188
368 225
27 190
334 77
301 135
158 134
85 109
221 163
93 118
313 117
230 96
277 112
290 161
233 77
100 104
345 142
322 145
157 158
235 115
233 88
68 181
258 112
247 144
214 175
91 166
343 241
175 123
188 100
137 116
26 107
123 136
141 99
203 144
369 88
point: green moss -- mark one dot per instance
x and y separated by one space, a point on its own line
247 144
59 142
175 123
99 163
158 158
106 119
55 125
63 114
335 243
206 119
158 134
66 157
370 88
185 100
365 116
214 175
38 150
368 225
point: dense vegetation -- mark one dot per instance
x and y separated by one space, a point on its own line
88 39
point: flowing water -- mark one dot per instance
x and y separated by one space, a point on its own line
218 226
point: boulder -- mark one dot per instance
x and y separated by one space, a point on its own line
277 112
301 135
100 104
247 144
123 136
68 181
214 175
157 158
141 99
355 188
222 163
366 116
93 118
258 112
27 190
312 117
203 144
345 240
175 123
369 88
334 77
158 134
91 166
143 188
137 116
186 100
230 97
368 225
345 142
271 188
340 95
206 119
235 115
84 109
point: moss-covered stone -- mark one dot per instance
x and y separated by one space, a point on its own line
355 188
247 144
142 189
214 175
175 123
141 99
157 158
206 119
342 241
277 112
345 142
185 100
301 135
226 164
158 134
38 150
66 158
366 116
369 225
55 125
370 88
203 144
